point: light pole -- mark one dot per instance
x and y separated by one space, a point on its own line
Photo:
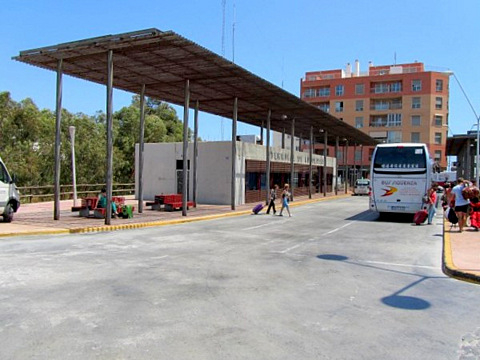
71 129
477 165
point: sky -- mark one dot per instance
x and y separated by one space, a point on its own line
278 40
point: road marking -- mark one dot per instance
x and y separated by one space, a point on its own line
159 257
256 227
400 265
341 227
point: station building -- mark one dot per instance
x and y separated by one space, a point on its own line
163 171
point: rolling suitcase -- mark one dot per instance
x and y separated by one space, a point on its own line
257 209
420 217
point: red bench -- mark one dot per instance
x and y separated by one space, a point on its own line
177 205
170 202
100 213
88 204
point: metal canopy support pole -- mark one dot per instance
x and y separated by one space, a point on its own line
292 152
361 161
325 136
336 165
267 170
141 146
283 138
195 153
234 152
261 134
186 109
109 180
354 175
310 178
58 120
345 155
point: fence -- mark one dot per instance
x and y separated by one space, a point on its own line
32 194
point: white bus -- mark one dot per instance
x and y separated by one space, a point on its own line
400 176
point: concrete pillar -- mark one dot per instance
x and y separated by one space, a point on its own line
186 109
58 120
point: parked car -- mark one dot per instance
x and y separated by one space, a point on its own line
362 187
9 196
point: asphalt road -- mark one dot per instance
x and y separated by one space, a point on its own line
332 282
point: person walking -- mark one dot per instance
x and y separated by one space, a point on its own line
285 200
273 197
461 204
432 203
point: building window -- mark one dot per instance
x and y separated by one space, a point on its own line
323 91
416 103
438 138
381 88
438 120
358 155
439 85
338 106
438 103
438 155
416 120
359 122
309 93
416 85
339 90
378 121
358 105
340 154
396 87
394 120
415 137
359 89
394 137
324 106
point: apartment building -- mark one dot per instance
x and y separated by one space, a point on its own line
391 103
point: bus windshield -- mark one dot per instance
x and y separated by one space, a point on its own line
400 158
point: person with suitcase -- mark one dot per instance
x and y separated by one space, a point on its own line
273 197
432 202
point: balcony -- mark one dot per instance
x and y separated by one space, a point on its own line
393 104
386 88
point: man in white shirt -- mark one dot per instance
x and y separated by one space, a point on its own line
461 204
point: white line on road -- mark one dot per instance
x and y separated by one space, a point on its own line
258 226
341 227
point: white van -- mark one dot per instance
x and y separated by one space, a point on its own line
362 187
9 196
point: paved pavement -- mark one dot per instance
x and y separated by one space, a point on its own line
461 251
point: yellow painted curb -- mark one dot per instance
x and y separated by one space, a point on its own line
448 265
104 228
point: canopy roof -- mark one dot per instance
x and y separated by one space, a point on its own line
458 143
164 60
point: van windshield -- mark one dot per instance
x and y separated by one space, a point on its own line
363 182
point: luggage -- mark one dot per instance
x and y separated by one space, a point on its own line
420 217
257 208
452 216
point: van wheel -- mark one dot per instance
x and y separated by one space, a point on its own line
8 213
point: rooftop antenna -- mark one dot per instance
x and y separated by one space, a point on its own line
395 58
